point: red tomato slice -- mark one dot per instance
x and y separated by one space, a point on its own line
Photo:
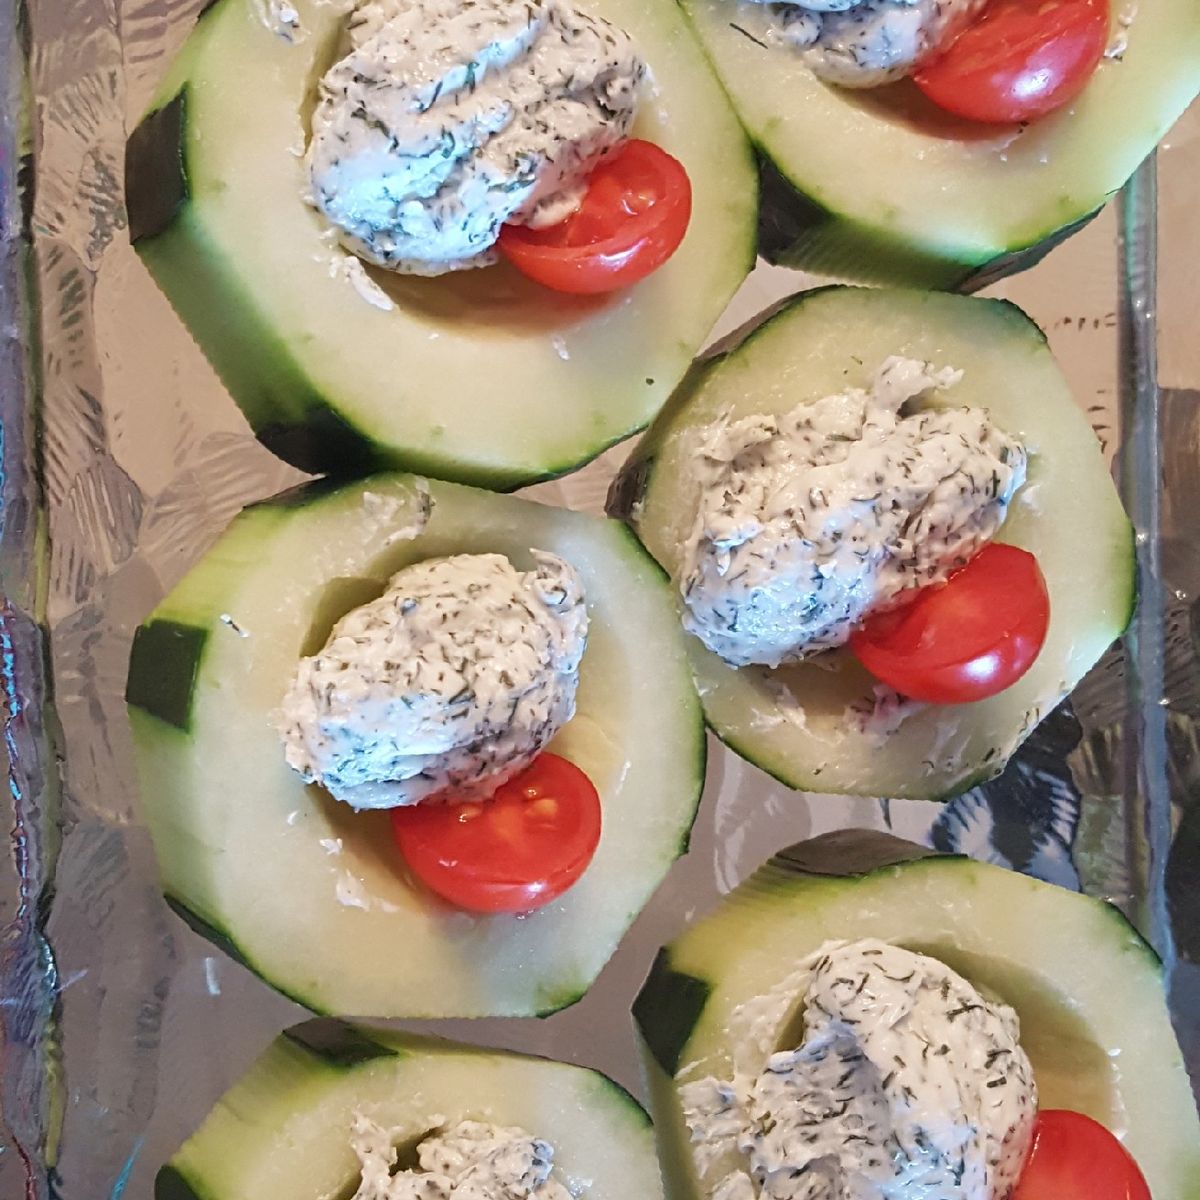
1020 60
968 639
632 219
1076 1158
512 853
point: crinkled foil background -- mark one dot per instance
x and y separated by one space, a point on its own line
120 1026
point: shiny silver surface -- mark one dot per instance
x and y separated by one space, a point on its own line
120 1026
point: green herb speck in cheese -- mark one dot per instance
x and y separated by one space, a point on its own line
857 43
878 1120
450 120
453 679
776 568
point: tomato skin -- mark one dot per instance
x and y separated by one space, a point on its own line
1076 1158
1020 60
965 640
632 219
513 853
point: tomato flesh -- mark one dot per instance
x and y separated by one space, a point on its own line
513 853
1076 1158
1020 60
964 640
633 216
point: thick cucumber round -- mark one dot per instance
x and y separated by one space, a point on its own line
1087 989
282 1132
480 376
882 185
795 722
313 896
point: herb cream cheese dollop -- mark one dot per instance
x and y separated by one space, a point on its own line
472 1160
909 1085
452 681
448 118
805 523
865 43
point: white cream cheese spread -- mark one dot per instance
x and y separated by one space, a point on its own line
805 523
472 1160
448 118
864 43
454 679
909 1085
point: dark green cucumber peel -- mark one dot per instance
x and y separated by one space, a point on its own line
1021 258
157 189
339 1045
210 933
631 480
792 227
321 443
624 1097
163 667
671 1002
667 1008
856 853
553 1000
795 231
953 790
1183 884
850 852
223 942
156 182
314 437
630 483
171 1184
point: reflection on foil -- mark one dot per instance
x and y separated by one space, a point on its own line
1025 818
146 458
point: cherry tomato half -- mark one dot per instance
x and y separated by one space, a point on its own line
632 219
1076 1158
512 853
965 640
1020 60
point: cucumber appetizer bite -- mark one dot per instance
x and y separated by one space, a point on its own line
481 241
893 537
863 1018
411 749
945 143
331 1110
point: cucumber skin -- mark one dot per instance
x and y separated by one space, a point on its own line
291 417
166 647
164 665
340 1047
172 1184
287 414
797 231
633 478
670 1002
850 854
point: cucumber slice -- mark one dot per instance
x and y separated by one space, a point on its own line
882 185
282 1132
1068 515
311 895
1087 989
480 376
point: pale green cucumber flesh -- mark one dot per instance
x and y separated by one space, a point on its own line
253 854
481 376
1068 515
881 185
1087 989
282 1132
